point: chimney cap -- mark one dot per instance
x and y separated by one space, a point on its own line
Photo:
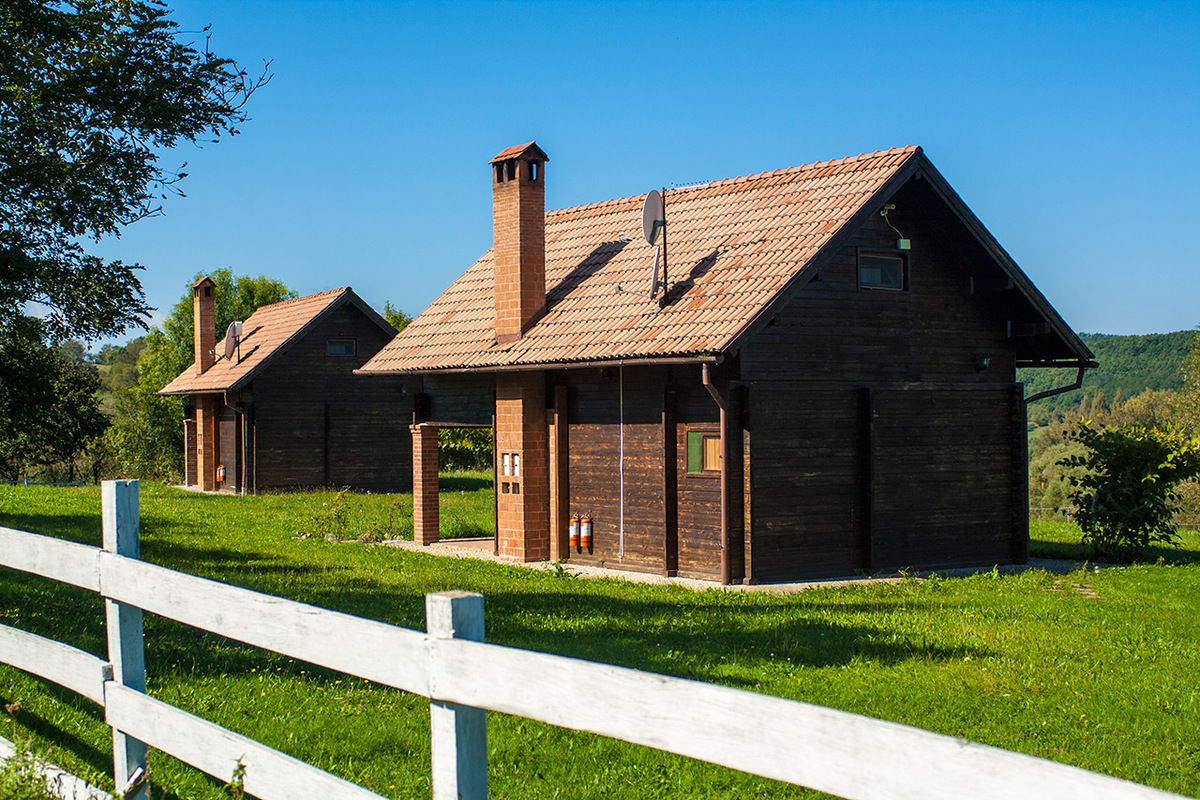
203 281
528 152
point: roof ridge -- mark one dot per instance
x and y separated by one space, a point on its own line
912 148
339 290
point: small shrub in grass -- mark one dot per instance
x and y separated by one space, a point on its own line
1125 498
20 779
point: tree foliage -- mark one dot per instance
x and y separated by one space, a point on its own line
465 448
49 412
1128 364
147 433
1187 410
91 93
395 317
1124 498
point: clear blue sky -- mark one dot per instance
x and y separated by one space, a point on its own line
1071 129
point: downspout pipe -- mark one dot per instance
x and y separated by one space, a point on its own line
1061 389
706 380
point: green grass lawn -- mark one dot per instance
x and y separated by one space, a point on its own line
1097 669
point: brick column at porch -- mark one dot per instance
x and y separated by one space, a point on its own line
426 512
523 496
207 457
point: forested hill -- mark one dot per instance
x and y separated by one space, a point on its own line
1130 364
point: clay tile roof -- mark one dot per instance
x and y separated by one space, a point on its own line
267 332
733 246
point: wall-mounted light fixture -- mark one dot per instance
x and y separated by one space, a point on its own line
901 243
982 362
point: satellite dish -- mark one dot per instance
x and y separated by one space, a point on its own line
653 220
232 334
654 282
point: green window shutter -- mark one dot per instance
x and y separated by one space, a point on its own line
695 452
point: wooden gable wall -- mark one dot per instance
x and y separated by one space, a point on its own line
317 424
878 443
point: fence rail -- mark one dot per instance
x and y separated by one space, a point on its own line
833 751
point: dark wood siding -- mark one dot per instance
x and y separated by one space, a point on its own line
879 443
460 400
317 424
807 473
941 461
597 467
699 504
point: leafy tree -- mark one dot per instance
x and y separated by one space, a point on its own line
48 407
1131 364
1124 500
465 448
395 317
147 432
91 94
1188 407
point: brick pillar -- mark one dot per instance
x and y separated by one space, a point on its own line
189 448
523 496
426 513
207 419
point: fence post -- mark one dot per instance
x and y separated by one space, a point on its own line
458 734
126 650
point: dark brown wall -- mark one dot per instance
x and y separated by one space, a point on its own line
878 442
594 459
317 424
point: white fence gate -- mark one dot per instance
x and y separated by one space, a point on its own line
834 751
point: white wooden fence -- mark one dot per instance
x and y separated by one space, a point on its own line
834 751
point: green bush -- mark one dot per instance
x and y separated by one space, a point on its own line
1125 499
20 779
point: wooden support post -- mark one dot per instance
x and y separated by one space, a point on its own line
560 468
458 734
126 651
670 436
1020 477
866 483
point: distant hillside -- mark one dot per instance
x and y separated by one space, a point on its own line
1130 364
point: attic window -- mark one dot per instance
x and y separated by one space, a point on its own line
881 271
703 452
533 170
341 347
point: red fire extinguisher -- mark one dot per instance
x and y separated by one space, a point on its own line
573 535
585 533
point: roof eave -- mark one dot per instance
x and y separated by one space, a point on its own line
650 361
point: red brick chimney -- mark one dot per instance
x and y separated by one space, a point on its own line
204 323
519 238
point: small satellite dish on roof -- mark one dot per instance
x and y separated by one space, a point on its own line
233 335
654 229
653 220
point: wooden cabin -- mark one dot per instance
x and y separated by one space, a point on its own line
284 409
819 382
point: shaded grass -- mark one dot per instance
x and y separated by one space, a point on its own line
1061 539
1097 669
